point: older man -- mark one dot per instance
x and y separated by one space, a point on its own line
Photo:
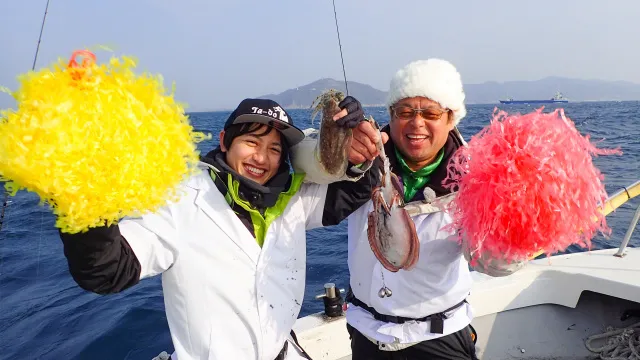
421 313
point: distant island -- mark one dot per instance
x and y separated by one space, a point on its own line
491 92
303 96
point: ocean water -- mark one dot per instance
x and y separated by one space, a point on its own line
45 315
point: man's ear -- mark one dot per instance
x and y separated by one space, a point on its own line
222 147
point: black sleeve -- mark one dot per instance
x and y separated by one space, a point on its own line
100 260
345 197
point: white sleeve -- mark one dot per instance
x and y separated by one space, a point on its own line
305 159
313 197
491 267
153 239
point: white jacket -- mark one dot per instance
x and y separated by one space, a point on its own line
225 297
440 280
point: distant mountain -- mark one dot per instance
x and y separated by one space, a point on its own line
573 89
303 96
483 93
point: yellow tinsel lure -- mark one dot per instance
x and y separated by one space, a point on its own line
97 142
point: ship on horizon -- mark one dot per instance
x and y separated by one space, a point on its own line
557 98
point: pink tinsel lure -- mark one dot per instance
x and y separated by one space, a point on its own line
527 183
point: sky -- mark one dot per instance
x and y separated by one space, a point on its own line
220 52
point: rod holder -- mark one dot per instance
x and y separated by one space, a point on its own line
332 300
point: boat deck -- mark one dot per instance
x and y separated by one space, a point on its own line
549 331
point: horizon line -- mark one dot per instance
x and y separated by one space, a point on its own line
474 83
384 105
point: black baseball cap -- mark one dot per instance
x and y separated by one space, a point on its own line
266 112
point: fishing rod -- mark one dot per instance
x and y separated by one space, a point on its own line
344 73
33 67
44 18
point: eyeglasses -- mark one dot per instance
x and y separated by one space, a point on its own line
404 112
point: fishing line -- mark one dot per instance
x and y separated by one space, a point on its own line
5 202
35 58
344 73
33 67
39 244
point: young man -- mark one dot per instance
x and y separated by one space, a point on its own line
232 250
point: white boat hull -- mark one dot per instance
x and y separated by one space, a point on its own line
545 311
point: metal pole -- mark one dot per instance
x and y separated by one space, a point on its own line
627 236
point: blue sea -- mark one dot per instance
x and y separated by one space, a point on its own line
45 315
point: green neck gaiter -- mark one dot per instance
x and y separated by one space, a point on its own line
415 180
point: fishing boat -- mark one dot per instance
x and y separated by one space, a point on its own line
567 306
557 98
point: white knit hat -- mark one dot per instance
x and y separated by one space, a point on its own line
435 79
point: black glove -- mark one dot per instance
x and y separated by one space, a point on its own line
355 113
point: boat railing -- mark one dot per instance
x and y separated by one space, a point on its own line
630 192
